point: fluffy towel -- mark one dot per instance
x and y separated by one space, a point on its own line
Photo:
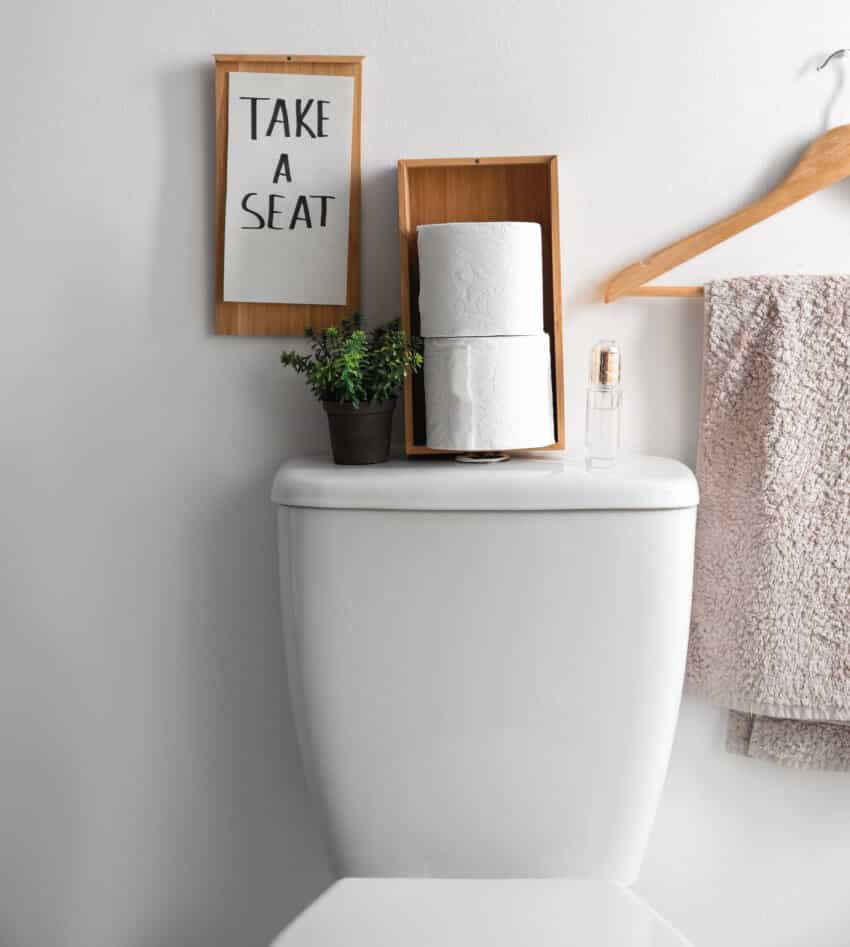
770 634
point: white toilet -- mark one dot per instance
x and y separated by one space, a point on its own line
486 664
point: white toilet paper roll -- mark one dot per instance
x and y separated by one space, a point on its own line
480 279
488 394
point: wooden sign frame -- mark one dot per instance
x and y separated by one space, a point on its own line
444 190
283 319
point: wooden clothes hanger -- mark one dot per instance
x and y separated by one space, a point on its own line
826 161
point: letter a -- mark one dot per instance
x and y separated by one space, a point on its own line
282 169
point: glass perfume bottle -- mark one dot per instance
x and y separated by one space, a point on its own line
604 399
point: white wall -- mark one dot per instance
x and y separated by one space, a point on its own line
149 793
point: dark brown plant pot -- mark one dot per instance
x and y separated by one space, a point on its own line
360 435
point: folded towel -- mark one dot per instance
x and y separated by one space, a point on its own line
770 634
801 743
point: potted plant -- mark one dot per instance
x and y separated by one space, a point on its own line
356 375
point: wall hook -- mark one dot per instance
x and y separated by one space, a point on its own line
837 54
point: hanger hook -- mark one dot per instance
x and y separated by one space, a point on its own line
837 54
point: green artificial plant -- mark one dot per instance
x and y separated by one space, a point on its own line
346 363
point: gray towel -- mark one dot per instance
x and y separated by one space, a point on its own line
770 633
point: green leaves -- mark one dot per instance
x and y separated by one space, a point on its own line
348 364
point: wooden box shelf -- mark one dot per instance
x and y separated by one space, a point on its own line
444 190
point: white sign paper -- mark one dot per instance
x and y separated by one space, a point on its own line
288 183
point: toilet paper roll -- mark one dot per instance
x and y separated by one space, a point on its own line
488 394
480 279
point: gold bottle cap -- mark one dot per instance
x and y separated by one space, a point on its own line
605 363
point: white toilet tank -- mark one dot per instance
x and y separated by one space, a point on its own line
486 661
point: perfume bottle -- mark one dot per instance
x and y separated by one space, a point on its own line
604 398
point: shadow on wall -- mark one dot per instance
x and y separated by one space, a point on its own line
381 277
247 829
667 349
234 853
737 853
185 195
380 244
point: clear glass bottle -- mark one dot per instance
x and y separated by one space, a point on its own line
604 399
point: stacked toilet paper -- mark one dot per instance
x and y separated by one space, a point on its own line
488 384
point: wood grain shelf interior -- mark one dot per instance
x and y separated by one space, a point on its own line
435 191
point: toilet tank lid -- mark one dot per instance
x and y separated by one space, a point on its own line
541 481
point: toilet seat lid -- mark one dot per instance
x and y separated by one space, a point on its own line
426 912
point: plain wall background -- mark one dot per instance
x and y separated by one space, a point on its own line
150 793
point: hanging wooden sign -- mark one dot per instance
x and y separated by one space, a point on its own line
288 192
